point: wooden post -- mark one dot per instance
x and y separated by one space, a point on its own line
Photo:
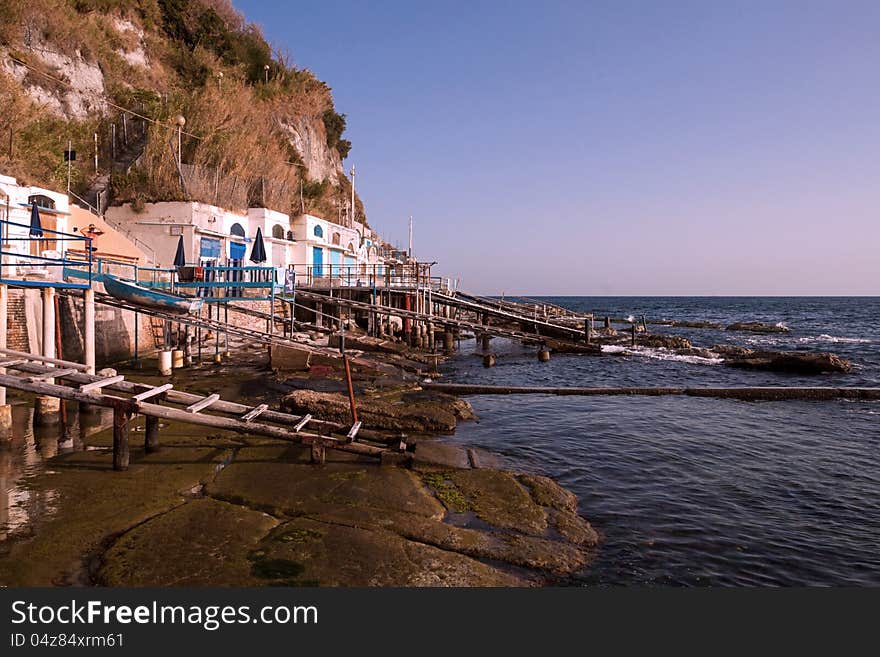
121 421
449 340
318 451
587 330
151 434
634 334
47 409
89 329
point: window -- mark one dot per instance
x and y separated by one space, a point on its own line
336 238
236 230
319 232
278 232
351 247
42 201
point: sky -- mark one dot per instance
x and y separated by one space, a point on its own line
610 148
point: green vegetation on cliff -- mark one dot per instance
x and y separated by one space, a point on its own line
258 129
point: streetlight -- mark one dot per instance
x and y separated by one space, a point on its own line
266 72
219 79
353 212
180 121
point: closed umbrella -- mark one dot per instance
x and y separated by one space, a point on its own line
36 226
258 252
180 256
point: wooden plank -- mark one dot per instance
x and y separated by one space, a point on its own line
353 432
43 359
180 415
204 403
152 392
305 420
56 374
12 362
250 415
100 383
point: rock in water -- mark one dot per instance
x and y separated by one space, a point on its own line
796 362
758 327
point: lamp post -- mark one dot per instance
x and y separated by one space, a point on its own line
219 80
180 121
266 72
351 216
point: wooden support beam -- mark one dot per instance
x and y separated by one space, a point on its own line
251 415
43 359
318 453
202 404
152 392
305 420
151 434
54 374
121 422
101 383
12 362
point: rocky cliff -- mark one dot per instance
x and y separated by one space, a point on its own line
258 130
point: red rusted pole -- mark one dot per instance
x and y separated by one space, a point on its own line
354 415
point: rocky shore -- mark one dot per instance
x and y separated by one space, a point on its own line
220 509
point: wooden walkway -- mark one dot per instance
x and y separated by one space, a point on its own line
438 320
35 374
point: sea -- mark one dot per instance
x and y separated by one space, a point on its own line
690 491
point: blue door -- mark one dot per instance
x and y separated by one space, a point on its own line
335 263
317 261
350 273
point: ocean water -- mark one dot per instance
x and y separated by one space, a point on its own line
695 492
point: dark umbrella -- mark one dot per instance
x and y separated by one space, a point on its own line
258 253
180 257
36 226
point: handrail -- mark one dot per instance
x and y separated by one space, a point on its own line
117 226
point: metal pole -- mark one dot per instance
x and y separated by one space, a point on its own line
4 314
69 149
352 213
96 152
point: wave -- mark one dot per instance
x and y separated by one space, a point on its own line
659 353
833 338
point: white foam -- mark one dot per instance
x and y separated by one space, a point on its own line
834 338
659 353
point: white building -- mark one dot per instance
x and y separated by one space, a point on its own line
22 253
317 249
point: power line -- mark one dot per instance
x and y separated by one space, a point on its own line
104 98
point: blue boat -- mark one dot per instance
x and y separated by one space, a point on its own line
138 295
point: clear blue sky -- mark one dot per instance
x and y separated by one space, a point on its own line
611 147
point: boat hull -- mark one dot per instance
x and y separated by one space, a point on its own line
142 296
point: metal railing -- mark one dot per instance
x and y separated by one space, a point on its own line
405 275
26 269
